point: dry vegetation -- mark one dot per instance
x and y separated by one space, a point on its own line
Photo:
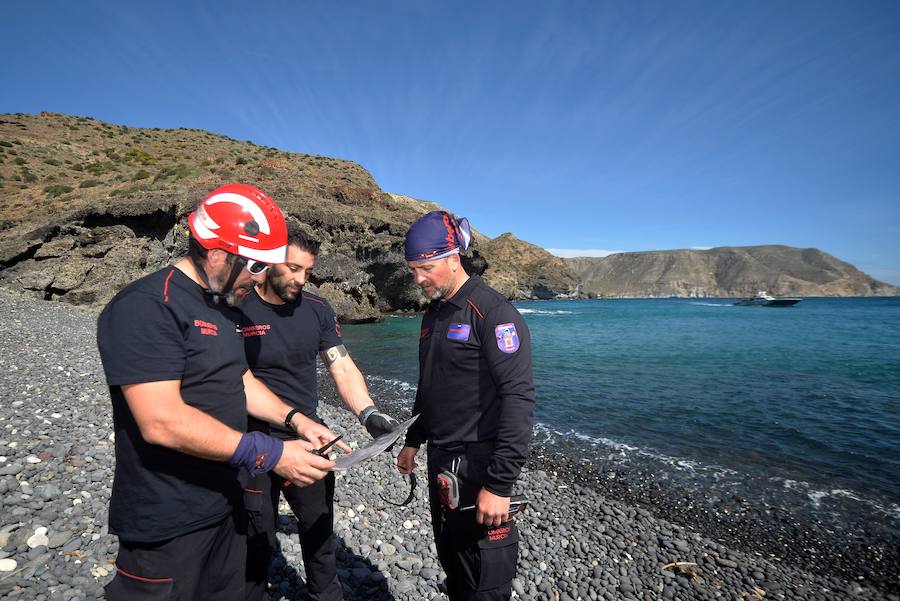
52 164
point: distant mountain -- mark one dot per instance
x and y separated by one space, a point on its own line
725 271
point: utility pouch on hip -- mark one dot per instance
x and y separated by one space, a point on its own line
448 489
491 561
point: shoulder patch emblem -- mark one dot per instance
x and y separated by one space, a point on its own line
507 337
459 331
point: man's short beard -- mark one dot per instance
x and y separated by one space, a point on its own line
230 298
280 286
217 284
441 293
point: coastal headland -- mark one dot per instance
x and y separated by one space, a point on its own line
88 206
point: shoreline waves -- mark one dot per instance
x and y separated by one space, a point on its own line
594 530
852 552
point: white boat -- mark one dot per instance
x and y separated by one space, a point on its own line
762 299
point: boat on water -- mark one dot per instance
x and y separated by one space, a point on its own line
762 299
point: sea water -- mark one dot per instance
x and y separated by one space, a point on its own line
800 404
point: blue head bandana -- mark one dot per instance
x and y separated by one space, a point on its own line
436 235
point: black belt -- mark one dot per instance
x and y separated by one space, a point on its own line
482 447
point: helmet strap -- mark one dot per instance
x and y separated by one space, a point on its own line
236 268
217 296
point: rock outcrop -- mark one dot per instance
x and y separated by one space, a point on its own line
86 207
525 271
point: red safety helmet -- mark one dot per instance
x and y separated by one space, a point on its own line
242 220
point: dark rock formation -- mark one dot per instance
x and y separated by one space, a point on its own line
88 207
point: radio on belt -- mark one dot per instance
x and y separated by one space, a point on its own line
448 487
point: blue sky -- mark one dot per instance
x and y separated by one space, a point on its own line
591 126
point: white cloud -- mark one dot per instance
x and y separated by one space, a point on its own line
582 252
701 247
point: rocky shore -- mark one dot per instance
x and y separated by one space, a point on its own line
56 466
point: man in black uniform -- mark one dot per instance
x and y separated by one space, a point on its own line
285 330
475 403
181 392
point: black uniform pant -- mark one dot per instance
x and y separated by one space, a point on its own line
480 562
204 565
313 507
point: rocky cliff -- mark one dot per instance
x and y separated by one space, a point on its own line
725 271
86 207
523 270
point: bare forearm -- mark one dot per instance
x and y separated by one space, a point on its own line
165 420
262 403
198 434
351 385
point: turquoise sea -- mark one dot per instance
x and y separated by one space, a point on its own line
799 405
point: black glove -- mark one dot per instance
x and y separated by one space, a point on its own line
376 422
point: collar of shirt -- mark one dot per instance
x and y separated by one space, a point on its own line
282 308
459 299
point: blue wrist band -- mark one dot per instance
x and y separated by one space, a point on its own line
257 452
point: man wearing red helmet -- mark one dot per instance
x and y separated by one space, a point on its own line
181 392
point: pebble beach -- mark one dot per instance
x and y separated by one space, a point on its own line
586 535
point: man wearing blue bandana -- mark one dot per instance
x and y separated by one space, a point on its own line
475 403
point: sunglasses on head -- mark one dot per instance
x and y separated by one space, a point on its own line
256 267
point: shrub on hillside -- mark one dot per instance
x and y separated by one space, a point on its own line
138 154
89 183
179 171
55 190
99 167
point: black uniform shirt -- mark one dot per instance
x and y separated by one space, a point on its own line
283 342
475 380
165 327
